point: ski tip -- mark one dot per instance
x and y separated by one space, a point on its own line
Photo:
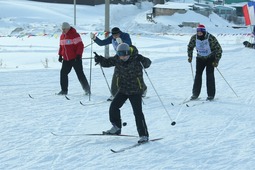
53 134
155 139
82 103
67 97
114 151
30 96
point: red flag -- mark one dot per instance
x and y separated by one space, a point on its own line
249 13
246 15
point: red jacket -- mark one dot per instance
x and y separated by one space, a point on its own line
71 45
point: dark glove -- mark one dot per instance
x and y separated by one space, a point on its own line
60 59
97 58
215 63
78 57
245 43
190 59
139 58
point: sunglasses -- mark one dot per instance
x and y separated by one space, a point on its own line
122 53
65 29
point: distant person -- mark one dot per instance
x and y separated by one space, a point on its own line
248 44
70 53
130 82
115 39
253 33
208 56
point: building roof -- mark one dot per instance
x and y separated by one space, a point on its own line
174 5
224 7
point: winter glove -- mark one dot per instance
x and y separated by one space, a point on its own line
60 59
119 40
92 36
215 63
190 59
97 58
78 57
245 43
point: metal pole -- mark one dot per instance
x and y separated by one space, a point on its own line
172 122
104 76
226 82
90 71
89 44
106 80
74 3
192 71
107 25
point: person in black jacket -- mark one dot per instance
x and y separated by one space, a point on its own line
130 84
248 44
115 39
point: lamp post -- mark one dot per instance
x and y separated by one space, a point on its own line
107 25
74 3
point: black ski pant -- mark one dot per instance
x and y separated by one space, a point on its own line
65 70
114 87
201 64
136 103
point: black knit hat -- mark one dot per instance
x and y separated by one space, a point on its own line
116 30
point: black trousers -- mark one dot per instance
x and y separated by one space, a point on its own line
114 87
201 64
65 70
136 103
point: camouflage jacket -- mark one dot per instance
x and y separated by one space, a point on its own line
129 73
214 45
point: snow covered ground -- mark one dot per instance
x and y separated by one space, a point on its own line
216 135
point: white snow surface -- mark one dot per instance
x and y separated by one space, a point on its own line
216 135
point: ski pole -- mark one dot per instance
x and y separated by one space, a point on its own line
104 77
90 68
87 58
89 44
173 122
192 71
226 81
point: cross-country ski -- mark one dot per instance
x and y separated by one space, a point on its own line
134 146
91 134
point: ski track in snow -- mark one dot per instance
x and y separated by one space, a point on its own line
216 133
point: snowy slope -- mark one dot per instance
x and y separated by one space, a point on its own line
210 136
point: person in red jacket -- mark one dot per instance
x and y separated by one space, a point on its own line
70 53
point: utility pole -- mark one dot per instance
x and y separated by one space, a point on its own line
74 3
107 25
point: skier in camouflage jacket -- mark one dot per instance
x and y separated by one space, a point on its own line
208 56
130 84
